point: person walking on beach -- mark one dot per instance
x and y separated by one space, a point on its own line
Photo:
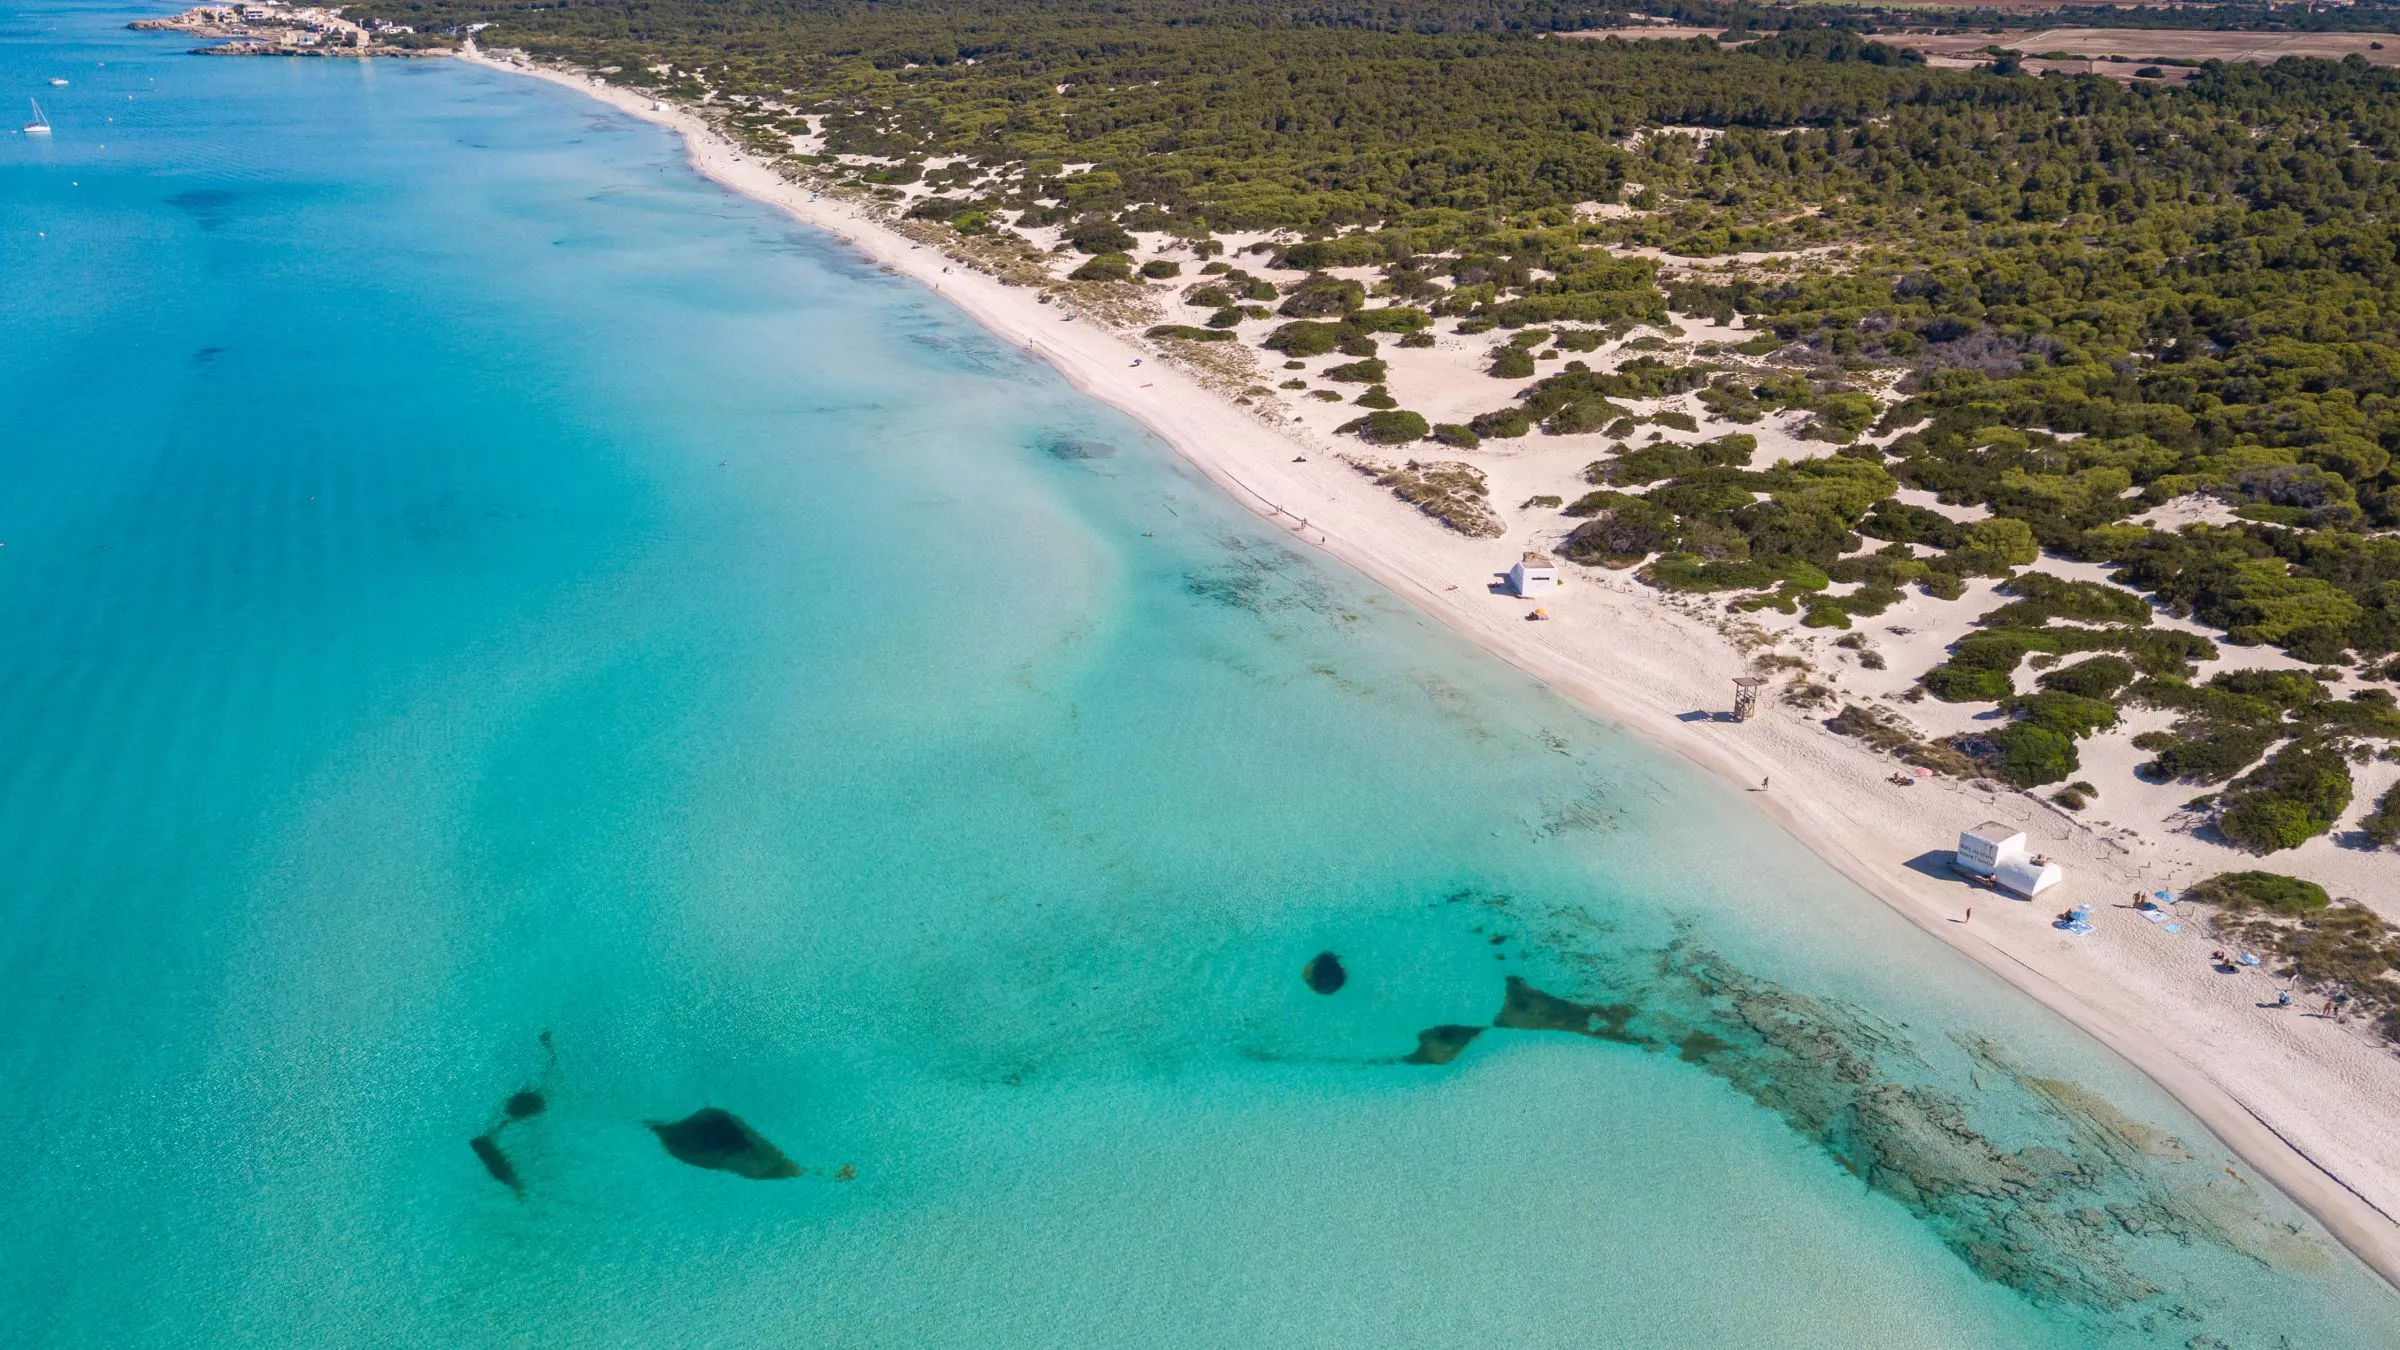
1970 915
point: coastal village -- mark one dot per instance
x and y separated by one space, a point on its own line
276 29
1372 405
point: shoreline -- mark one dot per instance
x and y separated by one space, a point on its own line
2263 1117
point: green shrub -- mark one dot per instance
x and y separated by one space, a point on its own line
2271 891
1510 363
1104 267
2209 758
1304 338
1699 497
2069 714
1350 250
1680 421
2000 651
1391 319
2287 801
2381 826
1576 419
1319 296
2155 651
1667 459
1387 427
1506 423
2023 754
1357 372
1864 603
1593 503
1097 236
1376 396
2099 677
1992 547
1621 535
1690 572
1178 332
1840 417
1451 433
1954 684
1417 340
1158 269
2042 597
2276 688
1905 524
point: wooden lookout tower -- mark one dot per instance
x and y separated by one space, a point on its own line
1745 697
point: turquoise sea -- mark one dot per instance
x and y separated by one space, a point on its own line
484 611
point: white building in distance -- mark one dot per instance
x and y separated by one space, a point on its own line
1534 574
1996 852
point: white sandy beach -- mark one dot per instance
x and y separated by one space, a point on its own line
2313 1105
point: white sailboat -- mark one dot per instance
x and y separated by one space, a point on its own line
40 125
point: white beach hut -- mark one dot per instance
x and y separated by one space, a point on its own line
2026 875
1981 849
1534 574
1995 851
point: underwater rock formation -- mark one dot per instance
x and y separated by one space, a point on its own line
2067 1211
522 1104
487 1151
723 1142
1324 973
1440 1045
1061 446
1525 1008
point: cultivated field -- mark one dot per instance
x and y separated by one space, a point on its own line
2149 44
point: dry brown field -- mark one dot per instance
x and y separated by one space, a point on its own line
2143 44
1645 33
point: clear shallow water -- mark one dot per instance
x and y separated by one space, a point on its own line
469 581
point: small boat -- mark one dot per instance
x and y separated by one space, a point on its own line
40 125
57 83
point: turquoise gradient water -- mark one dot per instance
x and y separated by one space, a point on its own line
485 609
